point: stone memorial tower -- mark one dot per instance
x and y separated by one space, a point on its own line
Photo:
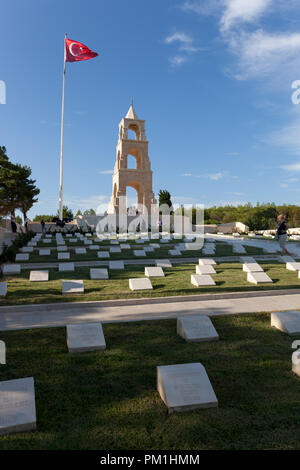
139 178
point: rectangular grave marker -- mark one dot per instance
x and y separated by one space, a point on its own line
258 278
85 337
202 280
64 267
116 265
22 257
163 263
140 284
154 272
252 268
98 273
184 387
17 406
205 269
288 322
39 276
11 269
196 328
72 287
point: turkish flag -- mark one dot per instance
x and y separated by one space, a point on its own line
76 51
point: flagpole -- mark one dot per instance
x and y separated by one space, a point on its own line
62 138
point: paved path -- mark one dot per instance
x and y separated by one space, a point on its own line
51 315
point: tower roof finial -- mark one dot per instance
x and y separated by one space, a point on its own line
131 112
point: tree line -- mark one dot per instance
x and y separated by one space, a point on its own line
256 217
17 188
67 214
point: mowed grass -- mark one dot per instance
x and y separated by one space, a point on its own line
222 249
229 278
108 399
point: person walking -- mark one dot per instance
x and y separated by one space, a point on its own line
43 226
282 234
13 223
26 220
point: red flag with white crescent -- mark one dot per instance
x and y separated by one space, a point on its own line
76 51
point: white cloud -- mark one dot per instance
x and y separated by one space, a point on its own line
288 137
261 54
206 8
212 176
242 11
231 13
185 47
106 172
177 60
99 203
179 37
292 167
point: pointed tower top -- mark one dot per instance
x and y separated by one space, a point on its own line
131 112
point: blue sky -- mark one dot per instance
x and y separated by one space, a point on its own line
211 78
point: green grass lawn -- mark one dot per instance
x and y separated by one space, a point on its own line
222 249
108 399
229 278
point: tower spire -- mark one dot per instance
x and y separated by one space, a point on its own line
131 112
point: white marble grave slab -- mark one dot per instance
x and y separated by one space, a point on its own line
64 267
17 406
85 337
258 278
293 266
288 322
98 273
22 256
39 276
252 268
63 255
139 253
205 269
11 269
184 387
247 259
80 251
163 263
45 252
72 287
199 280
62 248
174 252
115 249
116 265
196 328
206 261
154 272
142 283
27 249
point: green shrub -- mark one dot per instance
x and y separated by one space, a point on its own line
9 252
